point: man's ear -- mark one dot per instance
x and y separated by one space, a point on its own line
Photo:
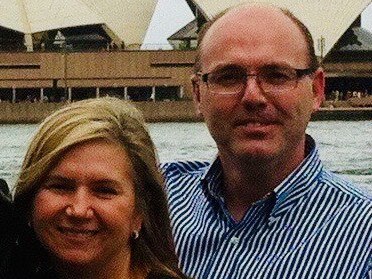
318 89
196 94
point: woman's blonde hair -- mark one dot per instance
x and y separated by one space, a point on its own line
116 121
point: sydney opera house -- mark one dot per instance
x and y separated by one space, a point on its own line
53 51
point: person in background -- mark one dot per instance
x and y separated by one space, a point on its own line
7 225
265 207
4 190
89 199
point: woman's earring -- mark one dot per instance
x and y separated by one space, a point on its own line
69 210
135 234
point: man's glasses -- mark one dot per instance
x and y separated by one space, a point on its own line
271 78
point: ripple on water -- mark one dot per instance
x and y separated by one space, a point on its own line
355 171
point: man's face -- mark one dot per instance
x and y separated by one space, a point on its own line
257 124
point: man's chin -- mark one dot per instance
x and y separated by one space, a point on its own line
255 152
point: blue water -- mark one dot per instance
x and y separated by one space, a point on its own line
345 147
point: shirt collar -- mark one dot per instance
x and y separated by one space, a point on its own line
300 182
212 178
294 187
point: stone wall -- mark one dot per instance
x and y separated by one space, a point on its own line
182 111
26 112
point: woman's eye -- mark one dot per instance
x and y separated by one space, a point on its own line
60 187
106 190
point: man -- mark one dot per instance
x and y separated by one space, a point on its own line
265 208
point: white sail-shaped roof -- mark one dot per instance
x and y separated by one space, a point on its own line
326 19
127 19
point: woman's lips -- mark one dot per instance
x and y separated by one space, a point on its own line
78 232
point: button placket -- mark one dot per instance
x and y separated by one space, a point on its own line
234 240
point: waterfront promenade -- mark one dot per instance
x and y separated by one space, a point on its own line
176 111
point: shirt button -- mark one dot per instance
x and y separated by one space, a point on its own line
234 240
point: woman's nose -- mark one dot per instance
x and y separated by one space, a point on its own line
80 205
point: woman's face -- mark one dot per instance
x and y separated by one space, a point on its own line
84 213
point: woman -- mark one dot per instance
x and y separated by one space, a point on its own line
90 200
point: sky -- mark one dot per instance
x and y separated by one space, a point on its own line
171 15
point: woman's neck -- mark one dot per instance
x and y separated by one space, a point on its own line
103 274
116 270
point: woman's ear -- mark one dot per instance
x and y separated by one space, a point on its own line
137 222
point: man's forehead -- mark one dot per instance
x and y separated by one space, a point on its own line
259 9
255 15
254 25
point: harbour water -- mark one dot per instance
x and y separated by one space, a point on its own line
345 146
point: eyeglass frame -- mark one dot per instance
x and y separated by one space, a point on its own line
300 73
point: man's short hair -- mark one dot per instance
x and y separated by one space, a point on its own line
313 60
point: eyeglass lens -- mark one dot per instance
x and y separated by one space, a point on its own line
232 80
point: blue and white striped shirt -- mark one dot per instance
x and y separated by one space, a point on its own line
313 225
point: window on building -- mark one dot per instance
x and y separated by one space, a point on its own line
117 92
82 93
6 94
138 94
167 93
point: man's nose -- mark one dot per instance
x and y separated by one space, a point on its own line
253 91
80 205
